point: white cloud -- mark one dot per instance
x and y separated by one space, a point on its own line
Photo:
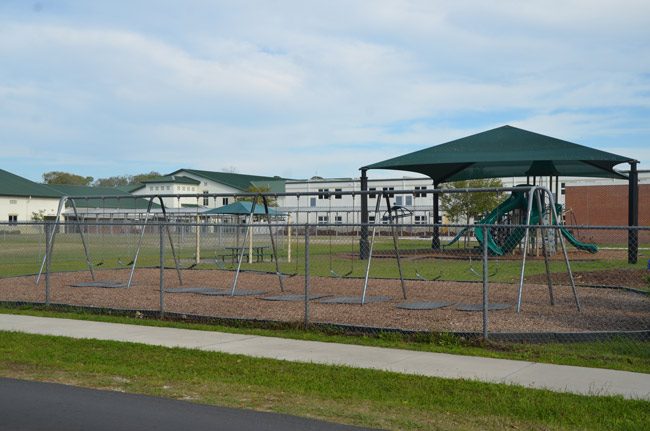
305 86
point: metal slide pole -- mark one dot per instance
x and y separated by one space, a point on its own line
275 255
372 243
137 250
171 241
531 193
83 241
566 255
544 235
395 246
48 250
241 254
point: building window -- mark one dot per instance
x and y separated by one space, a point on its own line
206 199
224 201
323 193
399 200
13 202
420 195
338 196
562 189
420 219
312 202
371 219
372 195
322 219
390 195
408 201
338 219
13 219
169 187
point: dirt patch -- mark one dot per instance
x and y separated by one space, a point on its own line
635 278
603 309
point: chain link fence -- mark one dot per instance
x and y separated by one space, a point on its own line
527 282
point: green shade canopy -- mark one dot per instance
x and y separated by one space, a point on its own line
506 152
241 208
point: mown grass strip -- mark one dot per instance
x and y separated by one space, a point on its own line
362 397
619 354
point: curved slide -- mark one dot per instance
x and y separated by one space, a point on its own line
517 200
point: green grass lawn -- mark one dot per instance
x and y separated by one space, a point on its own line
619 354
360 397
22 254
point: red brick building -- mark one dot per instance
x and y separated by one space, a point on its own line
605 205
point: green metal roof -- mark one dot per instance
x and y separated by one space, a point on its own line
506 152
176 179
85 197
241 208
14 185
237 181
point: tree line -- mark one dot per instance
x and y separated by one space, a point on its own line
59 177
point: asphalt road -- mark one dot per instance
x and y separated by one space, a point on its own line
35 406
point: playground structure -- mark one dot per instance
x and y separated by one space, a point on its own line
535 205
508 239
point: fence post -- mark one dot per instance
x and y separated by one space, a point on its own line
162 269
307 276
48 259
485 282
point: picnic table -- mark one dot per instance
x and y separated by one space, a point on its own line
258 252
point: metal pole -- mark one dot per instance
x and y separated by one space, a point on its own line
275 252
369 257
162 270
47 264
633 215
53 230
529 209
137 250
171 240
544 235
435 242
83 242
485 283
566 255
307 276
395 246
363 241
241 254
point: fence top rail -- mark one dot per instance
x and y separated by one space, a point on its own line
315 193
156 222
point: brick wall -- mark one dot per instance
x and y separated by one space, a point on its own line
605 206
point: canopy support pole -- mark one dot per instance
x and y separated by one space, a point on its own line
435 241
633 215
363 241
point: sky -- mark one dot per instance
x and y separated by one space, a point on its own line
305 88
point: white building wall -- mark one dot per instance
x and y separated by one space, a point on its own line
25 207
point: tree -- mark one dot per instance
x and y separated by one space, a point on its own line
125 180
144 177
462 207
58 177
271 200
121 180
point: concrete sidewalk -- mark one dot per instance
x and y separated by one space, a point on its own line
560 378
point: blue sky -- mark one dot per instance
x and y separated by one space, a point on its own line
303 88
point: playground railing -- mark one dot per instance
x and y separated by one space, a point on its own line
535 283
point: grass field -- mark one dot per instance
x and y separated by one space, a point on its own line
22 254
361 397
618 354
